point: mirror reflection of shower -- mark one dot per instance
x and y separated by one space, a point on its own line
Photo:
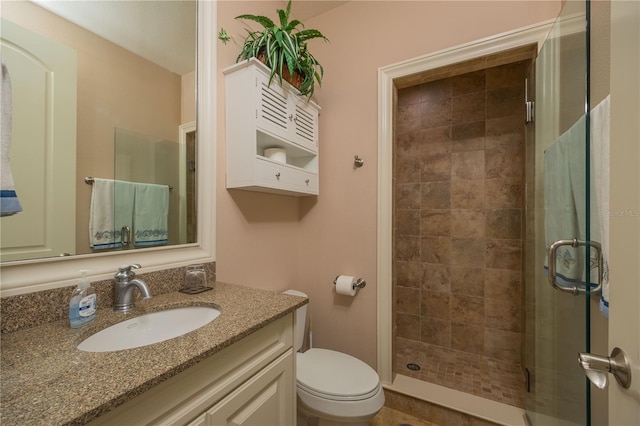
148 159
191 222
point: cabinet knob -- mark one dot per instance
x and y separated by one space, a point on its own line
290 117
306 181
278 175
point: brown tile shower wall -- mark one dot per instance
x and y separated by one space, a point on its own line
458 209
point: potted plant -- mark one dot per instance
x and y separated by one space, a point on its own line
283 48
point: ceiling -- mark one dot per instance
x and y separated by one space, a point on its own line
161 31
305 9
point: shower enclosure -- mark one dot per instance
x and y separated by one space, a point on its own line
473 309
459 162
557 323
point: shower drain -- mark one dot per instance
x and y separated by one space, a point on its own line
413 367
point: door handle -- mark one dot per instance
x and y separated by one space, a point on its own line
596 368
575 290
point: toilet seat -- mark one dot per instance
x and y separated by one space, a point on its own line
335 376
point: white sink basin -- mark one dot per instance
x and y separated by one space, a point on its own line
148 329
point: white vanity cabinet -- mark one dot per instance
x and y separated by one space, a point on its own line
260 116
251 382
261 400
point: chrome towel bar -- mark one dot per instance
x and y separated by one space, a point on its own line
90 179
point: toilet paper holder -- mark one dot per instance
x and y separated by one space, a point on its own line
359 283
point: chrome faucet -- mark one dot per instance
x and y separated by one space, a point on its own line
125 284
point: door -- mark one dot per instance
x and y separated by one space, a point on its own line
624 314
43 80
560 324
557 319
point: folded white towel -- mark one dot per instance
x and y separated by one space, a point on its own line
600 138
9 203
151 214
111 211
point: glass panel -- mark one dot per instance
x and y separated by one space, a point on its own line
557 323
142 159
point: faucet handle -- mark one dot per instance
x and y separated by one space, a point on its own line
125 273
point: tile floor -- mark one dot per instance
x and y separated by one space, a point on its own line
481 376
390 417
386 417
402 410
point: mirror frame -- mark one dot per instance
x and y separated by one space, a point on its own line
28 276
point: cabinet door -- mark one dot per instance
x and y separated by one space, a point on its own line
272 109
265 399
201 420
286 115
305 119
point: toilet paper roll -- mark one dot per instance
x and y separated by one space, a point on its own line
276 154
345 285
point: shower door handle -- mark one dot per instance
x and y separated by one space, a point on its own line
575 290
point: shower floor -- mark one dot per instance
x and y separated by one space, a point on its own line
474 374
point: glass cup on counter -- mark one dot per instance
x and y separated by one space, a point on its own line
195 277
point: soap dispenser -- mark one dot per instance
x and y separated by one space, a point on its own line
82 305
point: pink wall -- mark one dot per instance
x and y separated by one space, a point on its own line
277 242
257 234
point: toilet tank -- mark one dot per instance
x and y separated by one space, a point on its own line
301 318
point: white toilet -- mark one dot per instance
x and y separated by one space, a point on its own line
336 388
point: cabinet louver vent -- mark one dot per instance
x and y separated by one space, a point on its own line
274 107
305 125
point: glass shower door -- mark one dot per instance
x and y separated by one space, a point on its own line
557 182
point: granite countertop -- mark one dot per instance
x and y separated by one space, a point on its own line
46 380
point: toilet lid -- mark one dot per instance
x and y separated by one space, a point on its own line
335 375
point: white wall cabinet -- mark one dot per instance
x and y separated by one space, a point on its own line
261 116
251 382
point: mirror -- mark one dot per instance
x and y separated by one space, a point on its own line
81 72
20 277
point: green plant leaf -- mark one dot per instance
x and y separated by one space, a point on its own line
284 18
290 48
223 36
262 20
284 45
292 25
288 9
305 35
